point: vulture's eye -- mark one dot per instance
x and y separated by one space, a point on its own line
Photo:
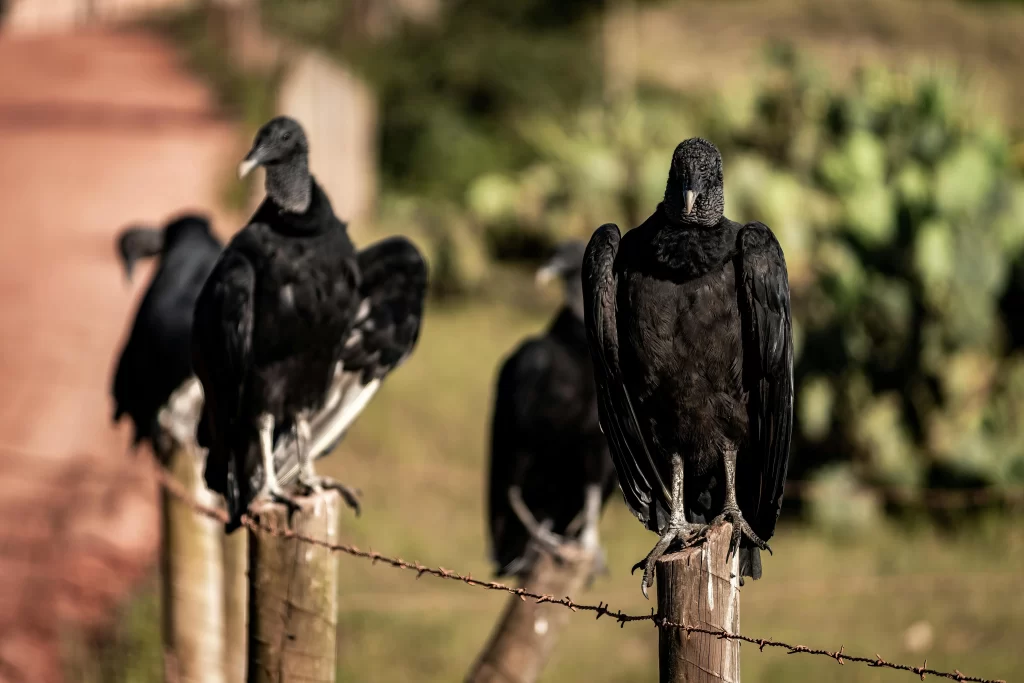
286 136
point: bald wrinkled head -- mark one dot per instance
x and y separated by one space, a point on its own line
694 193
279 140
282 148
567 265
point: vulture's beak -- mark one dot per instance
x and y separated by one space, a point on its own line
247 165
546 274
691 197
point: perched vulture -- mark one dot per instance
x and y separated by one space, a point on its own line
271 322
157 357
550 470
688 320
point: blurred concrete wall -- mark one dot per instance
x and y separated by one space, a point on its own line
339 114
31 16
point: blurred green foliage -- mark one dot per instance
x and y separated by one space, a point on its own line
902 215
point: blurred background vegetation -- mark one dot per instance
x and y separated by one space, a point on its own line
877 139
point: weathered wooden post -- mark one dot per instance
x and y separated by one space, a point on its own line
527 633
191 554
293 593
698 587
235 550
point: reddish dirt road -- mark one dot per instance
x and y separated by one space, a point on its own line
97 130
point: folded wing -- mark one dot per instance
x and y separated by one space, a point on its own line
222 331
646 494
767 376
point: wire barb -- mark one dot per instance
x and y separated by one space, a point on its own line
172 486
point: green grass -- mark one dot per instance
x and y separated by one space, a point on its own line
418 453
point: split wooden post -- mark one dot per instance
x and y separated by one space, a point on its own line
293 593
525 637
191 554
698 587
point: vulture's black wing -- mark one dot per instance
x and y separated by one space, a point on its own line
222 343
768 375
645 493
393 288
394 283
520 397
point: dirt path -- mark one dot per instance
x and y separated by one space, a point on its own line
97 130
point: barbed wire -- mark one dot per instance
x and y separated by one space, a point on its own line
602 609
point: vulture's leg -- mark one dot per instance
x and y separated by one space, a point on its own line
678 528
271 488
547 539
731 510
589 538
308 476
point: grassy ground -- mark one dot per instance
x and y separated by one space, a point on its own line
418 453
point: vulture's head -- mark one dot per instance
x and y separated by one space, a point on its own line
138 242
281 140
695 193
566 264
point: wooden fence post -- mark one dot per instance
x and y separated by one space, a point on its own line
527 633
293 593
698 587
191 554
235 550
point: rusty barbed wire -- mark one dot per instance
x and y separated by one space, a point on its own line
601 609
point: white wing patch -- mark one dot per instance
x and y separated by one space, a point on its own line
364 312
353 339
330 423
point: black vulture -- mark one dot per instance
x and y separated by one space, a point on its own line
393 289
550 470
270 323
689 325
157 357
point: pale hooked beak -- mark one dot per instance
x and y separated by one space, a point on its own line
246 167
691 197
545 274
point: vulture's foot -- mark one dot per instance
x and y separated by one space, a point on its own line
276 495
686 533
550 542
599 566
316 483
740 528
